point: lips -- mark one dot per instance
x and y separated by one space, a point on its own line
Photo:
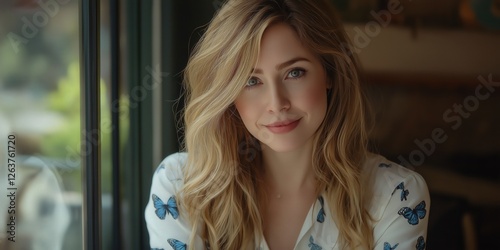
282 126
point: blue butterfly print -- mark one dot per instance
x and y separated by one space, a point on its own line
420 243
162 209
387 246
404 192
384 165
177 244
162 166
312 245
413 214
321 213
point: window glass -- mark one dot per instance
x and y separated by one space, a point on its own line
40 180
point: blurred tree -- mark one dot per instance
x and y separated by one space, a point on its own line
65 143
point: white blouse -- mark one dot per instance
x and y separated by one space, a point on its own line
399 206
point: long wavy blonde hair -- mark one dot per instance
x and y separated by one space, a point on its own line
221 182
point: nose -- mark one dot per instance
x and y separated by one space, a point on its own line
278 99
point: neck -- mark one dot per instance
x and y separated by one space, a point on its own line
288 172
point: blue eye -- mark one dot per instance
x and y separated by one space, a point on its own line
252 82
296 73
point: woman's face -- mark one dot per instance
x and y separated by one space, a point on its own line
285 100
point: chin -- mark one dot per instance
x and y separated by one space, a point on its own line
283 146
283 149
285 142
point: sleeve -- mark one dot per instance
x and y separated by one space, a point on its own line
167 227
403 224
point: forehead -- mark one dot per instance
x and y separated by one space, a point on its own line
280 43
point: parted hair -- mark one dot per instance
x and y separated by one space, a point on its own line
220 196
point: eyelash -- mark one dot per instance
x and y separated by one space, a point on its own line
252 86
303 72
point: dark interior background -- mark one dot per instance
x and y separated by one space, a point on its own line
422 70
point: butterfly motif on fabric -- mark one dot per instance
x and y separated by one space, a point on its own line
388 246
162 209
404 192
384 165
420 243
172 175
413 215
321 213
162 166
312 245
177 244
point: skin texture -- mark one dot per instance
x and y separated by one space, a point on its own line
287 84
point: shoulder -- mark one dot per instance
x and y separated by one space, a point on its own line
169 175
398 201
165 220
384 173
175 160
382 178
172 165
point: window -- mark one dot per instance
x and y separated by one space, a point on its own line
66 196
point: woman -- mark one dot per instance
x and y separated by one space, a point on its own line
276 143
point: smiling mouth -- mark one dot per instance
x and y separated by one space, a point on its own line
282 127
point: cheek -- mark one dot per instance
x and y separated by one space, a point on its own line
314 98
246 111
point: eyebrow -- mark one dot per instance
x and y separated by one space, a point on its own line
283 65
